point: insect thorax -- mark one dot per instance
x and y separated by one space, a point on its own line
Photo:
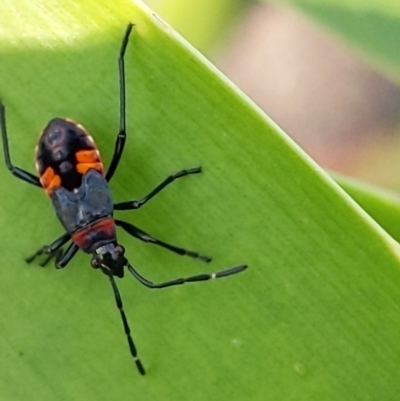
85 205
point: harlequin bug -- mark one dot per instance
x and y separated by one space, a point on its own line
73 176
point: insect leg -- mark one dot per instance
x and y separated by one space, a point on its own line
16 171
179 281
51 251
127 329
121 138
136 204
138 233
65 258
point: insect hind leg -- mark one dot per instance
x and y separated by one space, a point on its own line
121 137
16 171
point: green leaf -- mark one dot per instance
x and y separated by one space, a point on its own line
382 205
316 315
372 27
217 18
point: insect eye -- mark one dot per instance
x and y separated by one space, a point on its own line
120 250
96 264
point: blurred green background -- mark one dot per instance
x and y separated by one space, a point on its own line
327 72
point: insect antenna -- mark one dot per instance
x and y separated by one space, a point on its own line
127 329
191 279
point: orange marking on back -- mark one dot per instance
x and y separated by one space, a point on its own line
84 167
88 159
50 180
88 156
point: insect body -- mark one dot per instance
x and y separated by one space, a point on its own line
72 174
65 152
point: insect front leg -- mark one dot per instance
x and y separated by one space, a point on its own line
55 251
145 237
